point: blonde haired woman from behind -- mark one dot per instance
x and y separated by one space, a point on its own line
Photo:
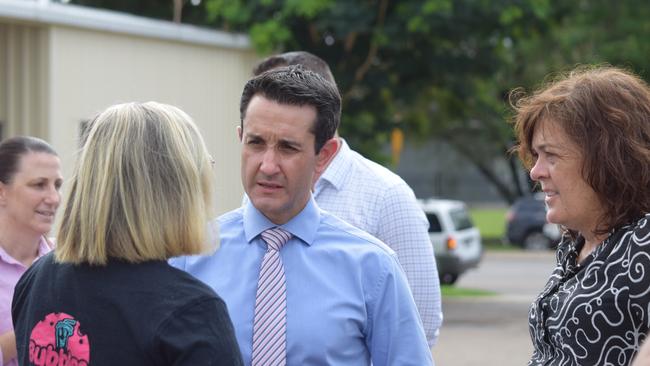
140 194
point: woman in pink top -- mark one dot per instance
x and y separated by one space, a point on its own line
30 179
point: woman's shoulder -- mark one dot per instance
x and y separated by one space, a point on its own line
183 282
639 231
632 241
644 223
31 283
40 265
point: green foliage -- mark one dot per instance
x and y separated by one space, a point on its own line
267 34
306 9
435 68
453 291
234 10
432 67
510 15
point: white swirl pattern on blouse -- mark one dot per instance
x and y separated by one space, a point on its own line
595 313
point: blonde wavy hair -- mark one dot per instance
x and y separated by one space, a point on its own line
141 190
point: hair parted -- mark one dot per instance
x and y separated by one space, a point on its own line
605 111
142 188
295 85
14 148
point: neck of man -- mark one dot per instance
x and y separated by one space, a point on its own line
336 136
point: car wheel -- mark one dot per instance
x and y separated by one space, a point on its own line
536 241
448 278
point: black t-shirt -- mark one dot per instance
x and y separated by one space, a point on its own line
119 314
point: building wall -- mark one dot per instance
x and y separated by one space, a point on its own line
90 70
23 81
62 64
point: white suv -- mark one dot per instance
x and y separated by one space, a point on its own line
456 241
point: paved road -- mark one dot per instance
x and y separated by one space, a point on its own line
493 331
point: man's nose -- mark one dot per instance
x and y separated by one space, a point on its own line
270 163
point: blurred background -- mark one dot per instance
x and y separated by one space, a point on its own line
426 83
426 88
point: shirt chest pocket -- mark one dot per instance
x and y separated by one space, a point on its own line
328 328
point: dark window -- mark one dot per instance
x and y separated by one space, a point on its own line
434 223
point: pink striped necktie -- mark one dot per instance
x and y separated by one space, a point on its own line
270 324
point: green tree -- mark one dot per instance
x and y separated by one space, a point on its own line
433 68
586 32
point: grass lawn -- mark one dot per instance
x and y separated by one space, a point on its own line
453 291
491 222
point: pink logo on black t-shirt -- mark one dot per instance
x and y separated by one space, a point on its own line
57 341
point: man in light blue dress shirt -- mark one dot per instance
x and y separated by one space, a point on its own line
347 299
377 201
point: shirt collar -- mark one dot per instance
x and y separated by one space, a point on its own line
43 248
338 170
302 226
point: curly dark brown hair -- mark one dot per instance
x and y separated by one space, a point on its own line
605 111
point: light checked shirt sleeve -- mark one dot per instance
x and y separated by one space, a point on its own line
374 199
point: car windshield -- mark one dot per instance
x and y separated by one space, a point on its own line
461 219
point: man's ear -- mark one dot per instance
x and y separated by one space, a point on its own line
239 133
325 156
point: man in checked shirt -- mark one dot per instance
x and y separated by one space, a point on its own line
376 200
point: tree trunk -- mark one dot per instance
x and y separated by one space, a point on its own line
178 10
514 171
503 188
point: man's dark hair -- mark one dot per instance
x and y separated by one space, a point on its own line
294 85
308 60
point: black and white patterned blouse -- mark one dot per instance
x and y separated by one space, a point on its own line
596 312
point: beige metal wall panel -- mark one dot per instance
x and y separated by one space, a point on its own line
23 81
90 70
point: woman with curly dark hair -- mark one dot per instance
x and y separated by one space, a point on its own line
586 140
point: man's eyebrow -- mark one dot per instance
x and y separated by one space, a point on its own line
291 143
